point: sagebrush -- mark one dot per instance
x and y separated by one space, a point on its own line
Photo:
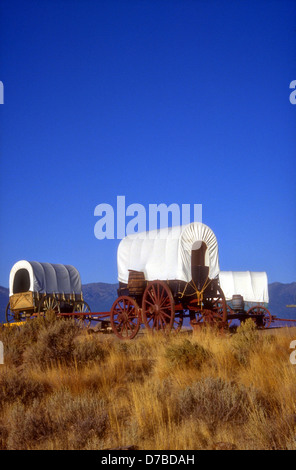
64 388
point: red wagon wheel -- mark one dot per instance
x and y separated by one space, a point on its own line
213 311
218 307
158 307
125 317
265 318
208 316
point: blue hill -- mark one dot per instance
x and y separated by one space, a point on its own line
100 296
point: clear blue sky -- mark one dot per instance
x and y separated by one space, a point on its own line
161 101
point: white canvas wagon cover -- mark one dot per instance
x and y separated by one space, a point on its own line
44 278
253 286
165 254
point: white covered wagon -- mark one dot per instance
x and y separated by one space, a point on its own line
168 274
36 288
165 275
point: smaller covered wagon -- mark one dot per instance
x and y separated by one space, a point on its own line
246 294
36 288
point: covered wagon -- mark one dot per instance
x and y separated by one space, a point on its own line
36 288
169 274
165 275
246 294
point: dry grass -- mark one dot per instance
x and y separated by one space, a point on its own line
61 388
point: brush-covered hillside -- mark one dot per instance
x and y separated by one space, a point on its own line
64 388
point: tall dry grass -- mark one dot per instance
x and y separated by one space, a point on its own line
62 388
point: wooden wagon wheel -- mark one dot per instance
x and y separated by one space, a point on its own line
12 316
212 317
213 311
218 308
265 316
82 307
207 316
49 304
196 318
125 317
158 307
9 315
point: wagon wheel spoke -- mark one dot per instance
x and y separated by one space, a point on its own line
49 305
163 314
158 307
82 308
263 316
125 318
213 311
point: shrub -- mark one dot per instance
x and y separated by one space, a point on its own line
186 354
275 432
136 370
89 350
17 387
70 420
80 418
28 426
214 400
245 341
16 339
55 344
123 348
3 435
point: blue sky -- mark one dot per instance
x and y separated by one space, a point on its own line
160 101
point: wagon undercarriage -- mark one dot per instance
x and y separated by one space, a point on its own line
24 306
163 307
168 278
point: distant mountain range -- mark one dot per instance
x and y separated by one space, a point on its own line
281 295
3 302
100 297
